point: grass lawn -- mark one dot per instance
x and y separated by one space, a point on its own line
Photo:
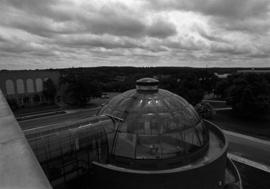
36 110
258 128
217 104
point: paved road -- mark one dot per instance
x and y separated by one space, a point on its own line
57 119
252 148
253 178
221 109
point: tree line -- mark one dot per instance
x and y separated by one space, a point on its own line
83 84
247 93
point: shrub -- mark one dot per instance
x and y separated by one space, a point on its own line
205 110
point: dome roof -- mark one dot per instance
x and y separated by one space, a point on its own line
154 124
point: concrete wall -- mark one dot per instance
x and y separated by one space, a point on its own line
210 176
19 168
206 174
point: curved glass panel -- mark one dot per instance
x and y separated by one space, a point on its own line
155 124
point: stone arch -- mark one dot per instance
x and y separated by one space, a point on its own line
20 86
10 87
30 85
39 85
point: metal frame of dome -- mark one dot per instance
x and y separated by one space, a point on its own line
151 121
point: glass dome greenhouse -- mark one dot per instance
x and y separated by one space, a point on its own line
156 126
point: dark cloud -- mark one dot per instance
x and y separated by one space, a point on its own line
46 18
250 25
187 43
228 49
161 30
13 44
211 37
46 27
236 9
48 8
241 15
110 21
28 4
92 41
89 41
124 25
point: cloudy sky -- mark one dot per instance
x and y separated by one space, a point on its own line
74 33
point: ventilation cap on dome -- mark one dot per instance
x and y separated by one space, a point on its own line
147 85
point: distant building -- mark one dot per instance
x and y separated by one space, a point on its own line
26 87
253 71
222 76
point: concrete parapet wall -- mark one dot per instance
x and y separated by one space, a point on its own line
19 167
209 176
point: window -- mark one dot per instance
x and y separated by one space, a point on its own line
39 85
30 86
10 87
125 145
20 86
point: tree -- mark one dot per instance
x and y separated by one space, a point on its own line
205 110
250 95
49 90
190 89
220 88
13 104
208 81
80 88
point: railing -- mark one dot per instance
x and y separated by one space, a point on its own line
68 153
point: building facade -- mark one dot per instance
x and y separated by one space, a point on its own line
25 88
